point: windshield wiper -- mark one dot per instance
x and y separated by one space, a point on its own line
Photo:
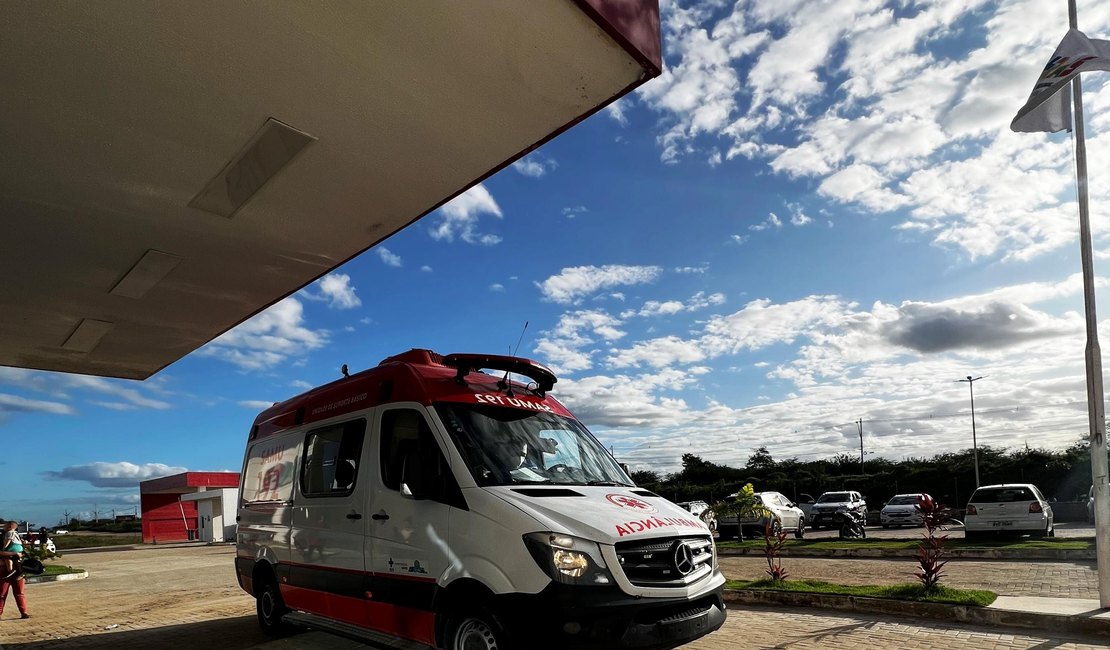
613 483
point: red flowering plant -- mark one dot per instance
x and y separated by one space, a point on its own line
773 542
930 550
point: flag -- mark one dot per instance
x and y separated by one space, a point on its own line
1047 108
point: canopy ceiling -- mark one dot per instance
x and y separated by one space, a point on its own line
170 169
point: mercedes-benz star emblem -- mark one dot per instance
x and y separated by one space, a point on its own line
683 559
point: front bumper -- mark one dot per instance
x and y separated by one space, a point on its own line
899 520
602 618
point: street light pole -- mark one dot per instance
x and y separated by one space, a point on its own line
859 423
974 444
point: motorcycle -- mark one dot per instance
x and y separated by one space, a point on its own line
852 524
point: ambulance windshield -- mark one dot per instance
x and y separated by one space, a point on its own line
509 446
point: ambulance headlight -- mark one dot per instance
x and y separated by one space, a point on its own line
567 559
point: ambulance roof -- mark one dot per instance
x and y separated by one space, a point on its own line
420 376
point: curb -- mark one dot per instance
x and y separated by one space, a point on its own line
1059 555
56 578
1071 624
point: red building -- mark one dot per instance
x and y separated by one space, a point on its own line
192 505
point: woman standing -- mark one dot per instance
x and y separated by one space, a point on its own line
13 581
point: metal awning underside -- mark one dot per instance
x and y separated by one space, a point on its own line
130 130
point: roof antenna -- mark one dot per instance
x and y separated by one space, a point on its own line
504 383
344 371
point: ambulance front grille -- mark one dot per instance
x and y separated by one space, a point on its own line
668 562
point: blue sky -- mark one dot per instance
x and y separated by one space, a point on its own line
817 214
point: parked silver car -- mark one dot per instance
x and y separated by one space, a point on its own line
778 511
1008 508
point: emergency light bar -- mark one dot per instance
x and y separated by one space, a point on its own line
543 377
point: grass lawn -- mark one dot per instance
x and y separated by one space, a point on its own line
1071 543
62 542
911 591
57 570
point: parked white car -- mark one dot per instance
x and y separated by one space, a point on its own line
780 512
1009 508
701 510
829 503
902 510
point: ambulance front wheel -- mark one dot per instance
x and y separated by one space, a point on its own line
475 629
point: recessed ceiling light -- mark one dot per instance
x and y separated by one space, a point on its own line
264 155
146 273
87 335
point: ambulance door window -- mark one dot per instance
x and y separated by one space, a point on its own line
331 459
406 433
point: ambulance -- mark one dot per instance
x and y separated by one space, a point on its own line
452 502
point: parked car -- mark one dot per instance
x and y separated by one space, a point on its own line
34 540
805 502
701 510
61 531
829 503
1009 508
902 510
780 512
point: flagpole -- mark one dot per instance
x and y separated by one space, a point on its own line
1095 401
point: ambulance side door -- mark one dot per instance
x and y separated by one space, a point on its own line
409 536
327 565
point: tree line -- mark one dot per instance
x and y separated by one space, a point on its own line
1064 475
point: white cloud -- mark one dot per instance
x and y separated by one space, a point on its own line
117 388
573 212
669 307
337 290
459 218
268 339
772 221
562 347
534 165
255 404
387 257
574 283
876 105
497 287
616 112
114 474
15 404
692 269
425 269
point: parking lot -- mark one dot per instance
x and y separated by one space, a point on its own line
1063 529
162 597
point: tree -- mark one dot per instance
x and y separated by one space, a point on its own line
645 477
760 460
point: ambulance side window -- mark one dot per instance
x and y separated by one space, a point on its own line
331 459
404 432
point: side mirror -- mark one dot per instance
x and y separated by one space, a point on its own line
414 483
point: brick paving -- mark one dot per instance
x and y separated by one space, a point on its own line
1006 578
760 628
188 598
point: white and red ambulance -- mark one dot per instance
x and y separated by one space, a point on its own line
424 503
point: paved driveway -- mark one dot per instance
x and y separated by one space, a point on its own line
187 598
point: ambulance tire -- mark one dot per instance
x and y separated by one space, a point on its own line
475 629
270 608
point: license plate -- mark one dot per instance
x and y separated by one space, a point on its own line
1002 523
